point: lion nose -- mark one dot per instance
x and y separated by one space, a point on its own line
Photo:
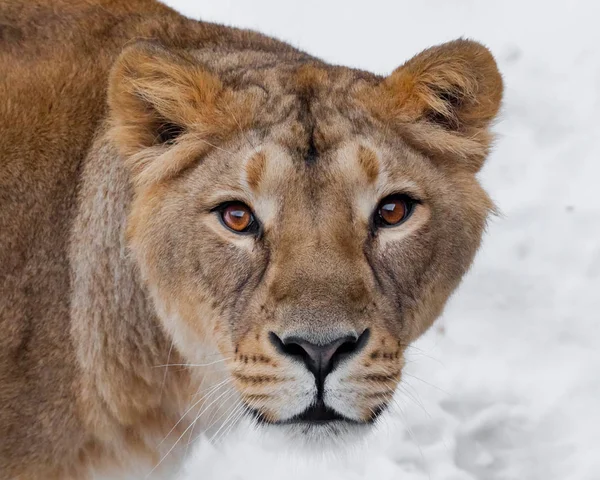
319 358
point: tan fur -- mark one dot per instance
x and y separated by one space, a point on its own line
122 126
255 168
368 161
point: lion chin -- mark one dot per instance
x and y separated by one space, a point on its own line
315 431
322 437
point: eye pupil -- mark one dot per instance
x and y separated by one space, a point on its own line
237 217
392 211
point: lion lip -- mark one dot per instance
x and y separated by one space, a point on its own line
316 414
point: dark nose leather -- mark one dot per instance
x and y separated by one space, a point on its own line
320 359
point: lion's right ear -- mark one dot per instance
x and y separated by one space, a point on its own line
157 97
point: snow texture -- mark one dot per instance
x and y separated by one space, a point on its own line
507 384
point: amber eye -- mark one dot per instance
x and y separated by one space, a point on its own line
393 210
238 217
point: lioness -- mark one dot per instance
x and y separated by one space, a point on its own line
199 223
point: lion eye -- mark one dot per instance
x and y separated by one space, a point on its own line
238 217
393 210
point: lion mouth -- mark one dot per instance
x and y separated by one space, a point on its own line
318 414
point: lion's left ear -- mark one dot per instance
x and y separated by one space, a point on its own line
443 101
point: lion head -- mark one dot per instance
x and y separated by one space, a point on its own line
305 221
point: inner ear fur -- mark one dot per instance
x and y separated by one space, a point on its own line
157 97
443 102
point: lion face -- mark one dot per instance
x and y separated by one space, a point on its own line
304 221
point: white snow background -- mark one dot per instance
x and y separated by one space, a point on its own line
507 384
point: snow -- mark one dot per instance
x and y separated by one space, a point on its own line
507 384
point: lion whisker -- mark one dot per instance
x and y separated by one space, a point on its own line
184 432
232 415
208 393
415 400
234 422
212 391
426 383
192 440
192 364
421 352
199 414
162 387
169 451
211 419
213 145
241 129
244 404
411 433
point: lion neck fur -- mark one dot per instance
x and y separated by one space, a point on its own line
125 390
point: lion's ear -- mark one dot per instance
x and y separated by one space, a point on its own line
157 96
444 100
